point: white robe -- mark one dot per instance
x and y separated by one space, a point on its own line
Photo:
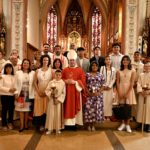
54 119
110 78
144 79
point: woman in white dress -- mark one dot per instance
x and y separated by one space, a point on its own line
110 77
25 89
41 80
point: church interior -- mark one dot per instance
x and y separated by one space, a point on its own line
26 24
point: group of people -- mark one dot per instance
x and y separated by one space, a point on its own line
60 92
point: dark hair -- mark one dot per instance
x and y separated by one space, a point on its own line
106 68
46 44
58 70
116 44
96 48
137 52
93 62
8 65
55 60
80 49
57 46
146 63
25 59
129 65
42 57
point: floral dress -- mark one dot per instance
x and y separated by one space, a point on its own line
93 111
24 103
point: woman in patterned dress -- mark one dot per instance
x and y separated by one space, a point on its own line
41 80
25 89
93 111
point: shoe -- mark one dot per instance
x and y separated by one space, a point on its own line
58 132
48 132
4 128
42 128
122 127
21 130
128 128
10 126
89 128
147 128
26 128
139 126
93 128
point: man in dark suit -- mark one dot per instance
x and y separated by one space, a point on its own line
97 56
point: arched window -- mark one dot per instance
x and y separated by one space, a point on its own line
52 28
96 27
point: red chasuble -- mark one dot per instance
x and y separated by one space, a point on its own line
72 102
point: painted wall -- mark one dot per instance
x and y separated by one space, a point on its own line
33 12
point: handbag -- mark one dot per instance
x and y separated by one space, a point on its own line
122 111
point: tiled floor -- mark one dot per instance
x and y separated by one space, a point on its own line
105 138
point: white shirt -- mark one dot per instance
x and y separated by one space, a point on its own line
7 82
81 62
116 60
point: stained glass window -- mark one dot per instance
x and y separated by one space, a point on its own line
52 28
96 27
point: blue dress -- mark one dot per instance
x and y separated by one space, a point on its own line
93 111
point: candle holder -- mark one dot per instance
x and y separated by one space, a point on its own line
93 89
146 87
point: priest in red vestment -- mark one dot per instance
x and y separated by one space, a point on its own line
74 78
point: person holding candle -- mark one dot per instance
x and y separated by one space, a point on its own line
93 111
56 92
143 88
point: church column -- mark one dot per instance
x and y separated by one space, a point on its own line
18 26
1 6
6 4
130 28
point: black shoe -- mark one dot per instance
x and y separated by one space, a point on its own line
21 130
139 126
26 128
147 128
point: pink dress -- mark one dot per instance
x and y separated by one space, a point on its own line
125 81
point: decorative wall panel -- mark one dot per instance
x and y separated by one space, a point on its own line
131 27
17 25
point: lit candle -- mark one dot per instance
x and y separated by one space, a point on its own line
53 85
93 89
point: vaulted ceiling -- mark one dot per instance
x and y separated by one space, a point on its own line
63 6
